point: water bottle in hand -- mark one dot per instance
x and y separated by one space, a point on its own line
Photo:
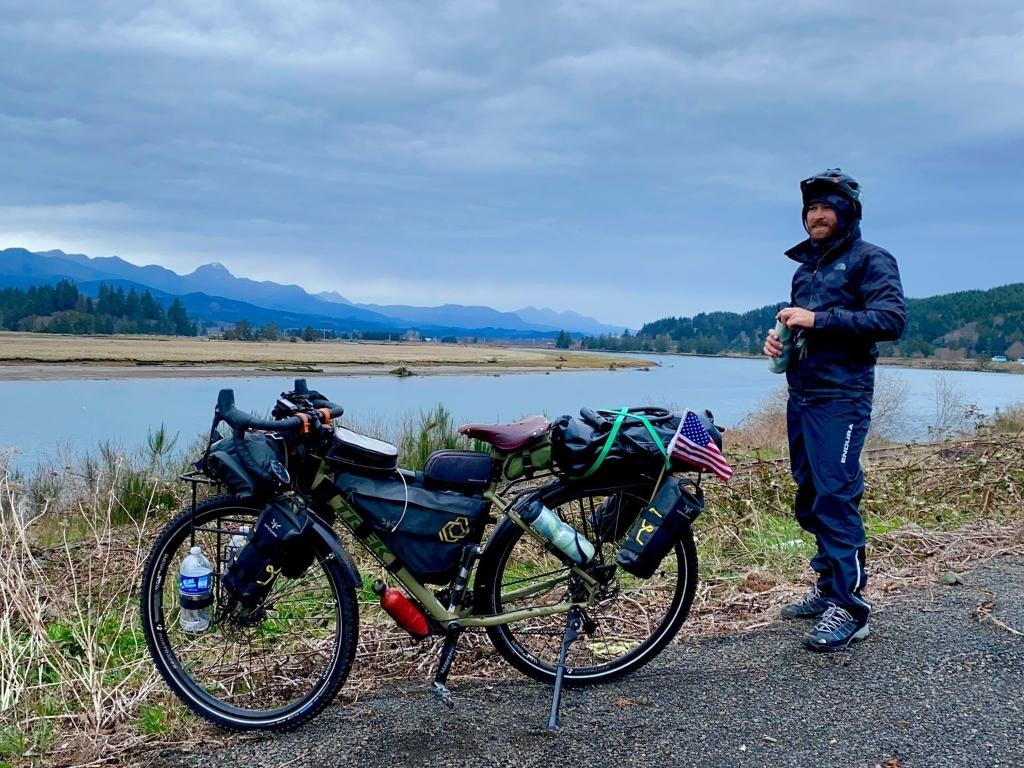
195 592
780 363
562 536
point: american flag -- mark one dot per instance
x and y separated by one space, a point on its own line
693 444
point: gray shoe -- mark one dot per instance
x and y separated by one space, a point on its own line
835 630
812 606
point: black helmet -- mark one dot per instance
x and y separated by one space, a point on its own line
833 180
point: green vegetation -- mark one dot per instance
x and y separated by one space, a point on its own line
77 685
971 324
61 308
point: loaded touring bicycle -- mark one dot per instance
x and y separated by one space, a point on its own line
568 544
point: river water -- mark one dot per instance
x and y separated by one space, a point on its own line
43 418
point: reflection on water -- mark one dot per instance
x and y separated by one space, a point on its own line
39 415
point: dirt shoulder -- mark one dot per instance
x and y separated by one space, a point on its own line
937 684
26 356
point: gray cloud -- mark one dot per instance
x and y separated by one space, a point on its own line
435 152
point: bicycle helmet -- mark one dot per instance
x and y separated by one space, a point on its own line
832 181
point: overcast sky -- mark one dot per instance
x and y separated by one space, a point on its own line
625 159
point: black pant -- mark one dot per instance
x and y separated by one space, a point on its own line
826 435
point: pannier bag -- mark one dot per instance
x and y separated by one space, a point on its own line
251 465
425 529
616 514
661 524
281 544
463 471
530 460
617 444
353 452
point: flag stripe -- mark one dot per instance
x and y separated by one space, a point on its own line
685 445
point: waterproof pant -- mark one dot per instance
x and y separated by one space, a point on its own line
826 435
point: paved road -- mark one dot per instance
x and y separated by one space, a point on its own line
934 686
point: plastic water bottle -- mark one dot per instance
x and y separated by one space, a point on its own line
562 536
195 591
781 363
235 544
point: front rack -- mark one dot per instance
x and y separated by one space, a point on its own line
195 479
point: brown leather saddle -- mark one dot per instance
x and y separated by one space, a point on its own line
508 437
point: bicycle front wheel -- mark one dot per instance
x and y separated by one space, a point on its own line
630 623
273 667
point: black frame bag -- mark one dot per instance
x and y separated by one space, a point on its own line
662 523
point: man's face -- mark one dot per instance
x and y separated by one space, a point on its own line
821 221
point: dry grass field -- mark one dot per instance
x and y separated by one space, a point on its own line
34 348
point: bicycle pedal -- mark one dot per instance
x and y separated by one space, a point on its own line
442 694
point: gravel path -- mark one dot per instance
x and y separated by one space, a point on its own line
939 683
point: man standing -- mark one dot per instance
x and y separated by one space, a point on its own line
846 296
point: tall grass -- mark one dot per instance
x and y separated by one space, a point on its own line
76 681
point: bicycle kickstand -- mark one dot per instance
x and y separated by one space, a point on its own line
573 625
441 692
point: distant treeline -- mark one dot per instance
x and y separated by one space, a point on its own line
953 325
62 308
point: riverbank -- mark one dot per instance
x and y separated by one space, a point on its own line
31 356
923 363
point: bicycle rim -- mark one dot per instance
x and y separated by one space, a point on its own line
625 629
271 668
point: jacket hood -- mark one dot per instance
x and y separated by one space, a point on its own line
811 251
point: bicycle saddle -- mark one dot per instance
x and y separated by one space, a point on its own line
508 437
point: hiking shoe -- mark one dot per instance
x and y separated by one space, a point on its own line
811 607
835 630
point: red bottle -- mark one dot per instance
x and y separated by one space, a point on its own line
401 609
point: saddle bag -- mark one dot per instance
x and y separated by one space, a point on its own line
530 460
424 528
660 525
281 543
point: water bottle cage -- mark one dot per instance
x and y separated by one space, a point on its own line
195 602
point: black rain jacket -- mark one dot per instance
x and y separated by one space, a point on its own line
854 290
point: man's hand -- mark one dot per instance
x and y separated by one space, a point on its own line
794 317
772 345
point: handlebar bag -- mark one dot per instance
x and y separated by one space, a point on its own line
463 471
281 543
354 452
660 525
250 465
425 529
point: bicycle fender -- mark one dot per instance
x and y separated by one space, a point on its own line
332 542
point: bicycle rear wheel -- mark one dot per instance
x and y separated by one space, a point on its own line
633 620
272 668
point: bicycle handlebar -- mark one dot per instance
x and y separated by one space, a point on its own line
240 420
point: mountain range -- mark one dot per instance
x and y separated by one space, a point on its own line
214 296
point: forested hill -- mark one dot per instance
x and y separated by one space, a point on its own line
62 308
953 325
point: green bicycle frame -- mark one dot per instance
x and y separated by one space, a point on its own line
425 596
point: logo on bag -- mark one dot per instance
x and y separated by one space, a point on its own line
454 530
645 527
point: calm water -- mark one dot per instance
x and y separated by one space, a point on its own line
79 414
